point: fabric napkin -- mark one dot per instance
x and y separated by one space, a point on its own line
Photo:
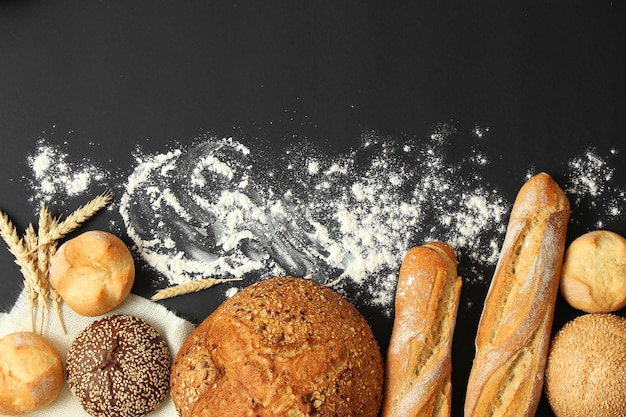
171 327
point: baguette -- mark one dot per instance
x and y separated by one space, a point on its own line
418 370
513 334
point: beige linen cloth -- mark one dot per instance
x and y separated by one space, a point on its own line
173 328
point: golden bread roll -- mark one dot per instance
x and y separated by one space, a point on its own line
418 367
31 373
93 272
280 347
593 278
586 369
513 334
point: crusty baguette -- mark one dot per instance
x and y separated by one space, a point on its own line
418 368
514 330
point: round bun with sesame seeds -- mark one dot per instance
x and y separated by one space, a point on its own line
586 368
119 366
280 347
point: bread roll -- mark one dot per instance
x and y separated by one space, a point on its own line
418 367
93 272
513 335
280 347
594 272
586 369
119 366
31 373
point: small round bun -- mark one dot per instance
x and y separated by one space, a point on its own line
31 373
93 272
593 277
119 366
586 368
280 347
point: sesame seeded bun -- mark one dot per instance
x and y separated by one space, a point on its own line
593 278
93 272
31 373
586 369
119 366
280 347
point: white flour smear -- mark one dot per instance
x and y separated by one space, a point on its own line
220 209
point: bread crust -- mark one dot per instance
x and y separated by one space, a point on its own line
585 369
31 373
280 347
93 272
418 364
119 366
513 334
593 278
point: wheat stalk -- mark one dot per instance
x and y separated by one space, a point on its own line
45 251
31 274
59 229
189 287
12 239
78 217
57 301
33 252
20 249
42 250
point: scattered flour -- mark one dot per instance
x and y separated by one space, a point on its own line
57 178
217 208
345 221
590 184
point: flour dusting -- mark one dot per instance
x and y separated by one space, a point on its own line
56 177
590 185
218 208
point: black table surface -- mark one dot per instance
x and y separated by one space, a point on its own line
546 78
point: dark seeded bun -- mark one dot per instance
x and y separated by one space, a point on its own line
586 369
119 366
280 347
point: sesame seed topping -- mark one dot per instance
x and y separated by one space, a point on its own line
119 365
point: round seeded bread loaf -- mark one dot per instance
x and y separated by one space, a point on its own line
586 369
119 366
282 346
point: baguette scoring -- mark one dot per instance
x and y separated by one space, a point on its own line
513 334
418 372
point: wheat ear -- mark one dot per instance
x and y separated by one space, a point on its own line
20 249
42 251
189 287
33 252
78 217
45 251
31 276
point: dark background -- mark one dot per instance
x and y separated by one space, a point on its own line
547 78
